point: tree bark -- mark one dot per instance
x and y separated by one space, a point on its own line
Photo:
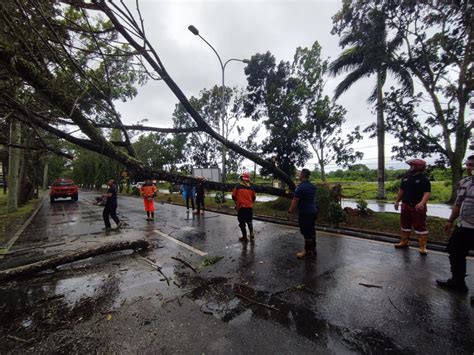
45 175
13 166
380 140
24 270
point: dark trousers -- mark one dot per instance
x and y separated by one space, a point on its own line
188 198
200 203
245 217
306 223
461 241
112 212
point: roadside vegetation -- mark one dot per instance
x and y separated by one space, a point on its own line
360 219
10 222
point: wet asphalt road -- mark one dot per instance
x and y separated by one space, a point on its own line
120 303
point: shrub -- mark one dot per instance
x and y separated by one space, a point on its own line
322 201
336 214
362 206
135 191
393 186
219 197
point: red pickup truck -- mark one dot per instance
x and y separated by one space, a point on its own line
63 188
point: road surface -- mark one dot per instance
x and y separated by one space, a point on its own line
357 296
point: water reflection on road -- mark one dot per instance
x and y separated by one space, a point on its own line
434 210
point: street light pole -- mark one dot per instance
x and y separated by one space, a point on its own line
195 32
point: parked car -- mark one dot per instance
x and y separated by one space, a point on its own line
63 188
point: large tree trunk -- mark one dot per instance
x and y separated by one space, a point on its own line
23 180
45 175
4 172
13 166
323 172
29 269
380 141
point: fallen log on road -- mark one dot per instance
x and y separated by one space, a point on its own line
42 265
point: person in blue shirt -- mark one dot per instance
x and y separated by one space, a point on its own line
188 191
305 200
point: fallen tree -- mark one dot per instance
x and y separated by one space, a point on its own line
69 90
29 269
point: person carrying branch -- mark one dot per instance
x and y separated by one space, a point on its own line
244 197
148 192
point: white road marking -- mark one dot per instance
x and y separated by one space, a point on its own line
184 245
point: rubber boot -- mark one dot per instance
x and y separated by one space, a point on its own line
147 216
422 240
404 236
252 233
243 238
309 249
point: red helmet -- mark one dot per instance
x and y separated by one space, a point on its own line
245 176
418 164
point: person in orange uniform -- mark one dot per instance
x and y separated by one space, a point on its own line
244 197
148 192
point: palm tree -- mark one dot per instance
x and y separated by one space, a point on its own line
372 53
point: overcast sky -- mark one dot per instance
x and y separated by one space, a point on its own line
240 29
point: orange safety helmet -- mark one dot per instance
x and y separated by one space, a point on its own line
245 176
418 164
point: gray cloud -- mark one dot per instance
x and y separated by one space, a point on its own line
237 29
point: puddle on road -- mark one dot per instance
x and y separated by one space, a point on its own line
218 297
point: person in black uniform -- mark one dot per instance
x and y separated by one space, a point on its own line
200 196
110 209
414 192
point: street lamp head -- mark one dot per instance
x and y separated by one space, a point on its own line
194 30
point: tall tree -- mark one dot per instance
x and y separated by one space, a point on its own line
157 151
14 166
200 148
275 98
362 27
324 132
75 59
438 49
323 119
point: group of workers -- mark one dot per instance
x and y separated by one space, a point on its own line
413 194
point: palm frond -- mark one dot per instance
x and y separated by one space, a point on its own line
350 79
349 60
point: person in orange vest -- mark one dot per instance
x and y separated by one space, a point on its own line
244 197
148 192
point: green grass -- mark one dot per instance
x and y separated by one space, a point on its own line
382 222
440 190
11 221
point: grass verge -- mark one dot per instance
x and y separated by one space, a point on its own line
10 222
385 222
